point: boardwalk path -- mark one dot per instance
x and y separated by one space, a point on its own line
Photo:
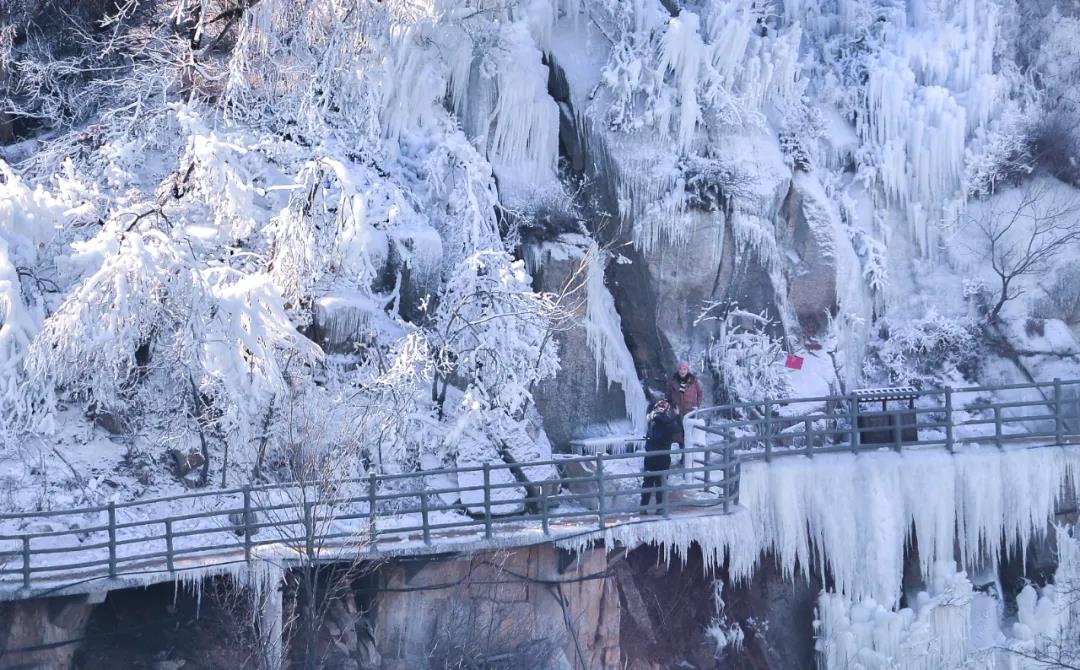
480 507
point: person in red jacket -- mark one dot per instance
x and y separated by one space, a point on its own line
685 395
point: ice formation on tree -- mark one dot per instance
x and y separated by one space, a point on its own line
298 189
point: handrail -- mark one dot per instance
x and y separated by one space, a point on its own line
315 519
759 430
589 491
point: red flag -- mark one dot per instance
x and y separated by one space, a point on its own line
794 362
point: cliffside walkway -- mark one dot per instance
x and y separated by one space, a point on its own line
493 505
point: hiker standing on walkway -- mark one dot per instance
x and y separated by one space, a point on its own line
685 395
662 423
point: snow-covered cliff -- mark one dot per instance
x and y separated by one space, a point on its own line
294 238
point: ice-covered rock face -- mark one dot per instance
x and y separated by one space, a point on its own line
596 391
818 244
685 277
814 161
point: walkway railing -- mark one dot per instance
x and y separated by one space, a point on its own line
1045 411
320 520
507 502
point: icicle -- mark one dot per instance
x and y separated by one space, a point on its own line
681 53
931 89
525 130
718 536
418 104
932 634
603 330
856 513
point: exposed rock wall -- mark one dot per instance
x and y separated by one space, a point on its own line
545 608
776 617
536 605
42 633
530 607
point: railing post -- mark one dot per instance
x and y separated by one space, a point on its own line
26 561
766 428
544 509
997 426
247 522
808 431
665 504
373 498
728 458
736 476
708 471
487 501
600 491
169 545
949 444
1059 417
853 413
424 527
112 539
897 442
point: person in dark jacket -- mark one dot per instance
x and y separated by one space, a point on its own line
684 393
662 424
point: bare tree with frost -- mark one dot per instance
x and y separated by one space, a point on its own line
321 448
1024 237
495 338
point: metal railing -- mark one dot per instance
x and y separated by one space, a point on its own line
1043 411
316 521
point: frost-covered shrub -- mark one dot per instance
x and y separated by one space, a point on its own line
875 266
727 635
493 332
711 184
29 222
310 67
745 356
923 352
209 335
1057 135
1057 143
491 342
634 31
978 295
803 127
1000 152
1062 296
